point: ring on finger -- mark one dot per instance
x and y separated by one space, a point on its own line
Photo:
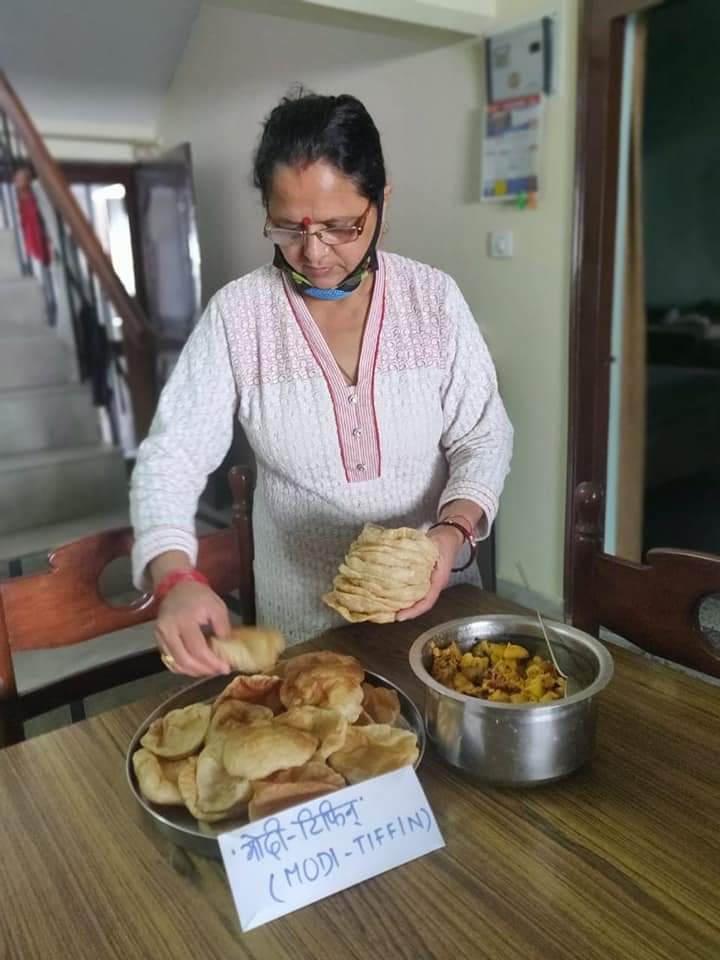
168 659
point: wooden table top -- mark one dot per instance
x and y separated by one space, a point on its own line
622 860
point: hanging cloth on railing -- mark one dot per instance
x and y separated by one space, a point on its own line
95 354
33 226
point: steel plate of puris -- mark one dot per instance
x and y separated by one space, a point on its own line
264 743
385 570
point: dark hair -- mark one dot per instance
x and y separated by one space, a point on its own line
305 127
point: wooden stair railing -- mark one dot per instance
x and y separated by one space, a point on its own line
138 338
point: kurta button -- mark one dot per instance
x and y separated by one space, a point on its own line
357 432
353 398
360 467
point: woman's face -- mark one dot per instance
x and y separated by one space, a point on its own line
320 195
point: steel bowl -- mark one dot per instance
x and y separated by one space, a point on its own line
509 744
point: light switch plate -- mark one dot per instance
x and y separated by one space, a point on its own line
500 244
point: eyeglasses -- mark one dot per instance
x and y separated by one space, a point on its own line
332 236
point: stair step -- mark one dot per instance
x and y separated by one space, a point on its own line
28 551
9 266
51 486
33 545
34 361
22 307
39 418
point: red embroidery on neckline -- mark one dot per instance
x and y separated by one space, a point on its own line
327 381
372 384
337 387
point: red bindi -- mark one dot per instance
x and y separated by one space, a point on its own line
306 221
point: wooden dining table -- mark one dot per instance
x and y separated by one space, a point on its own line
620 860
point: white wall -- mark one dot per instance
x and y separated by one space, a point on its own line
427 103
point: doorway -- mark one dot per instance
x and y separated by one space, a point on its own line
642 551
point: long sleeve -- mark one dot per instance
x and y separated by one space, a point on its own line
189 436
477 435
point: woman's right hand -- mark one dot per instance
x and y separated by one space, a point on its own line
187 608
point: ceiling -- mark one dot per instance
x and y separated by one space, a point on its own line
100 68
93 65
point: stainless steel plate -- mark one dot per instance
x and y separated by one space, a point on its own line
177 823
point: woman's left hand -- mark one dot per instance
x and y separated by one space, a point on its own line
448 541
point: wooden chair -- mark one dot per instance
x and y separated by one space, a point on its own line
657 605
64 606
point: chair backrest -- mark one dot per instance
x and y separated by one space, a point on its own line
64 606
658 605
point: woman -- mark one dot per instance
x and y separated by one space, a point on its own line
360 379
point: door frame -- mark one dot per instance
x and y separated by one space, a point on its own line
600 67
121 171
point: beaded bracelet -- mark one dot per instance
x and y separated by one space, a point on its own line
173 578
467 536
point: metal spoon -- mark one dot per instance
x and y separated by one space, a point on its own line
561 673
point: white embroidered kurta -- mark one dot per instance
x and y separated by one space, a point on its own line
423 425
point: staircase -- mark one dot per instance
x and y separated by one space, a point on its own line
58 481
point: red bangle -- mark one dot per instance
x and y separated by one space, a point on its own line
173 578
463 521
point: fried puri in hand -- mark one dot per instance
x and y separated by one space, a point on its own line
249 649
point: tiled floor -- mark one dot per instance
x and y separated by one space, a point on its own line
108 700
40 539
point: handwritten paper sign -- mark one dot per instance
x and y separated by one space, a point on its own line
310 851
